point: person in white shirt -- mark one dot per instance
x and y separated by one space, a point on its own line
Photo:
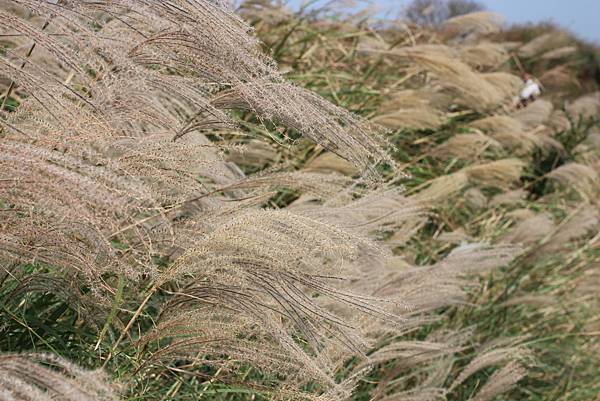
529 92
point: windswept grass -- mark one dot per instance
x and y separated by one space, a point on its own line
197 209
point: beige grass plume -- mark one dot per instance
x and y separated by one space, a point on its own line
499 173
583 179
477 23
44 377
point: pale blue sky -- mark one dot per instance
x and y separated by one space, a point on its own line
579 16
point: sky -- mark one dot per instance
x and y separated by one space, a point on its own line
579 16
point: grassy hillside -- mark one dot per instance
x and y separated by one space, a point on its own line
184 215
536 170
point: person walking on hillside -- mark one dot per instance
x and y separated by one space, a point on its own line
530 91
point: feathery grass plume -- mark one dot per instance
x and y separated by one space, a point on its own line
560 53
476 92
593 139
465 146
472 25
521 143
581 178
561 76
489 358
254 155
328 162
498 123
542 138
535 114
513 135
501 381
443 186
417 108
66 215
508 83
451 73
421 118
545 42
581 222
421 394
584 154
475 198
435 49
372 42
539 302
586 106
320 121
508 198
405 98
500 173
21 288
520 214
411 353
588 151
381 213
559 121
588 282
47 377
484 55
450 276
432 96
225 339
235 268
321 185
454 237
510 45
529 229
